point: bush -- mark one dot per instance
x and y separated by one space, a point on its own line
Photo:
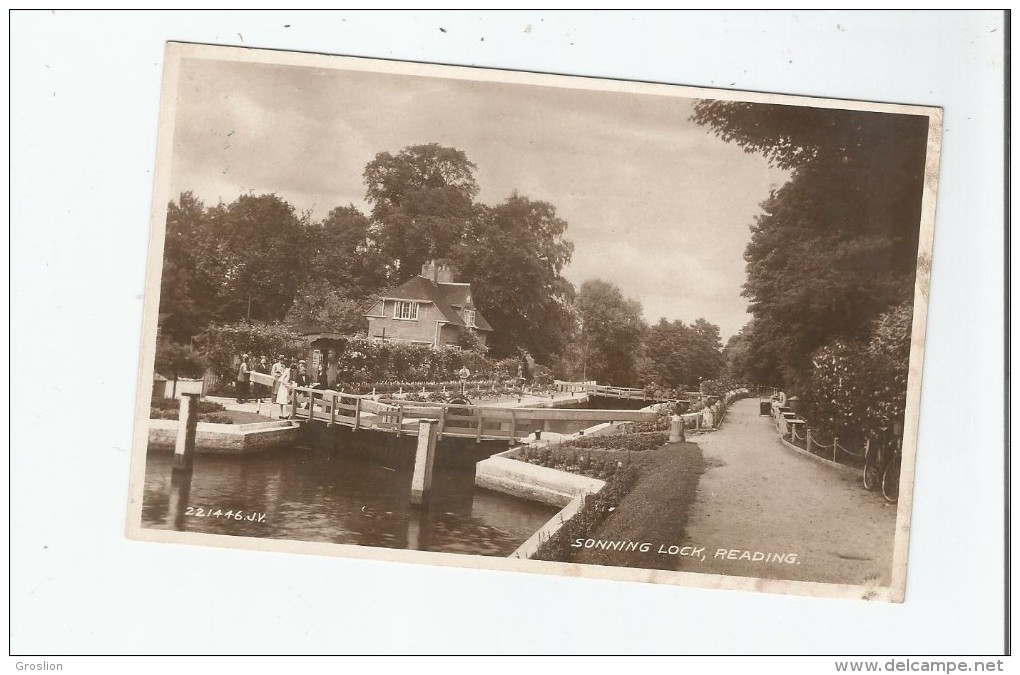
222 344
174 404
541 376
856 389
174 360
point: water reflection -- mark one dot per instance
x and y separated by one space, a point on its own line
309 494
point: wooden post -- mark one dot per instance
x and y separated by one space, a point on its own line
807 432
293 403
357 413
332 411
835 443
442 420
424 458
513 428
478 438
180 492
187 426
311 406
400 419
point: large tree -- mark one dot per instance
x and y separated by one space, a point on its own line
837 244
679 354
191 277
608 334
261 250
513 254
422 200
232 261
342 252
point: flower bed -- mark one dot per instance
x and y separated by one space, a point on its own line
595 456
602 464
593 512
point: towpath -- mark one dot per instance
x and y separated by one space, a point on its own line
758 496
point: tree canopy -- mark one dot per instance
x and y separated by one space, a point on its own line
422 201
608 333
512 254
837 244
257 258
679 354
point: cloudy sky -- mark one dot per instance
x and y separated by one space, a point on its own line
655 204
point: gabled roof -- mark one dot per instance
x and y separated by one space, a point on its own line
443 296
456 294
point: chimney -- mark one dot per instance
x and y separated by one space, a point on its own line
428 270
444 273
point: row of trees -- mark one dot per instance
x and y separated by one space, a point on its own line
259 259
612 343
833 256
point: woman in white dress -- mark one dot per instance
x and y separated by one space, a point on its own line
283 393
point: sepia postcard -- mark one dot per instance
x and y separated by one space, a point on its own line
534 323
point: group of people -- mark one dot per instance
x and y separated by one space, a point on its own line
286 374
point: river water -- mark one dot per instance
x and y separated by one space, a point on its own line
305 494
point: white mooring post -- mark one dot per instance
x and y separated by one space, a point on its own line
424 458
676 429
187 425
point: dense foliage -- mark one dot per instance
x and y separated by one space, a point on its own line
258 259
833 256
222 344
834 247
175 360
858 388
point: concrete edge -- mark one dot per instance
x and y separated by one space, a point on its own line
848 470
225 439
171 425
531 481
552 526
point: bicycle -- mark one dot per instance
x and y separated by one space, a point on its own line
882 467
891 476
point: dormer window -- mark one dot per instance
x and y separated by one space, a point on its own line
469 317
408 311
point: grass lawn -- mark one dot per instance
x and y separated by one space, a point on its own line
654 510
242 417
648 500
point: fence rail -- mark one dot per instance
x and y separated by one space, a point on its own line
360 411
596 389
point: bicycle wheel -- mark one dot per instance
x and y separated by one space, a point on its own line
891 481
872 472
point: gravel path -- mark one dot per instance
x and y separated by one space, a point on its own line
758 496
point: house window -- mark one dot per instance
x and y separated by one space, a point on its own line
469 317
405 310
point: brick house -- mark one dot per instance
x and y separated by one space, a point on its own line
430 308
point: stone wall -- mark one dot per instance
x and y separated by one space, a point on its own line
226 439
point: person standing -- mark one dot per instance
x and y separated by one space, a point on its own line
243 379
302 375
283 384
277 371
